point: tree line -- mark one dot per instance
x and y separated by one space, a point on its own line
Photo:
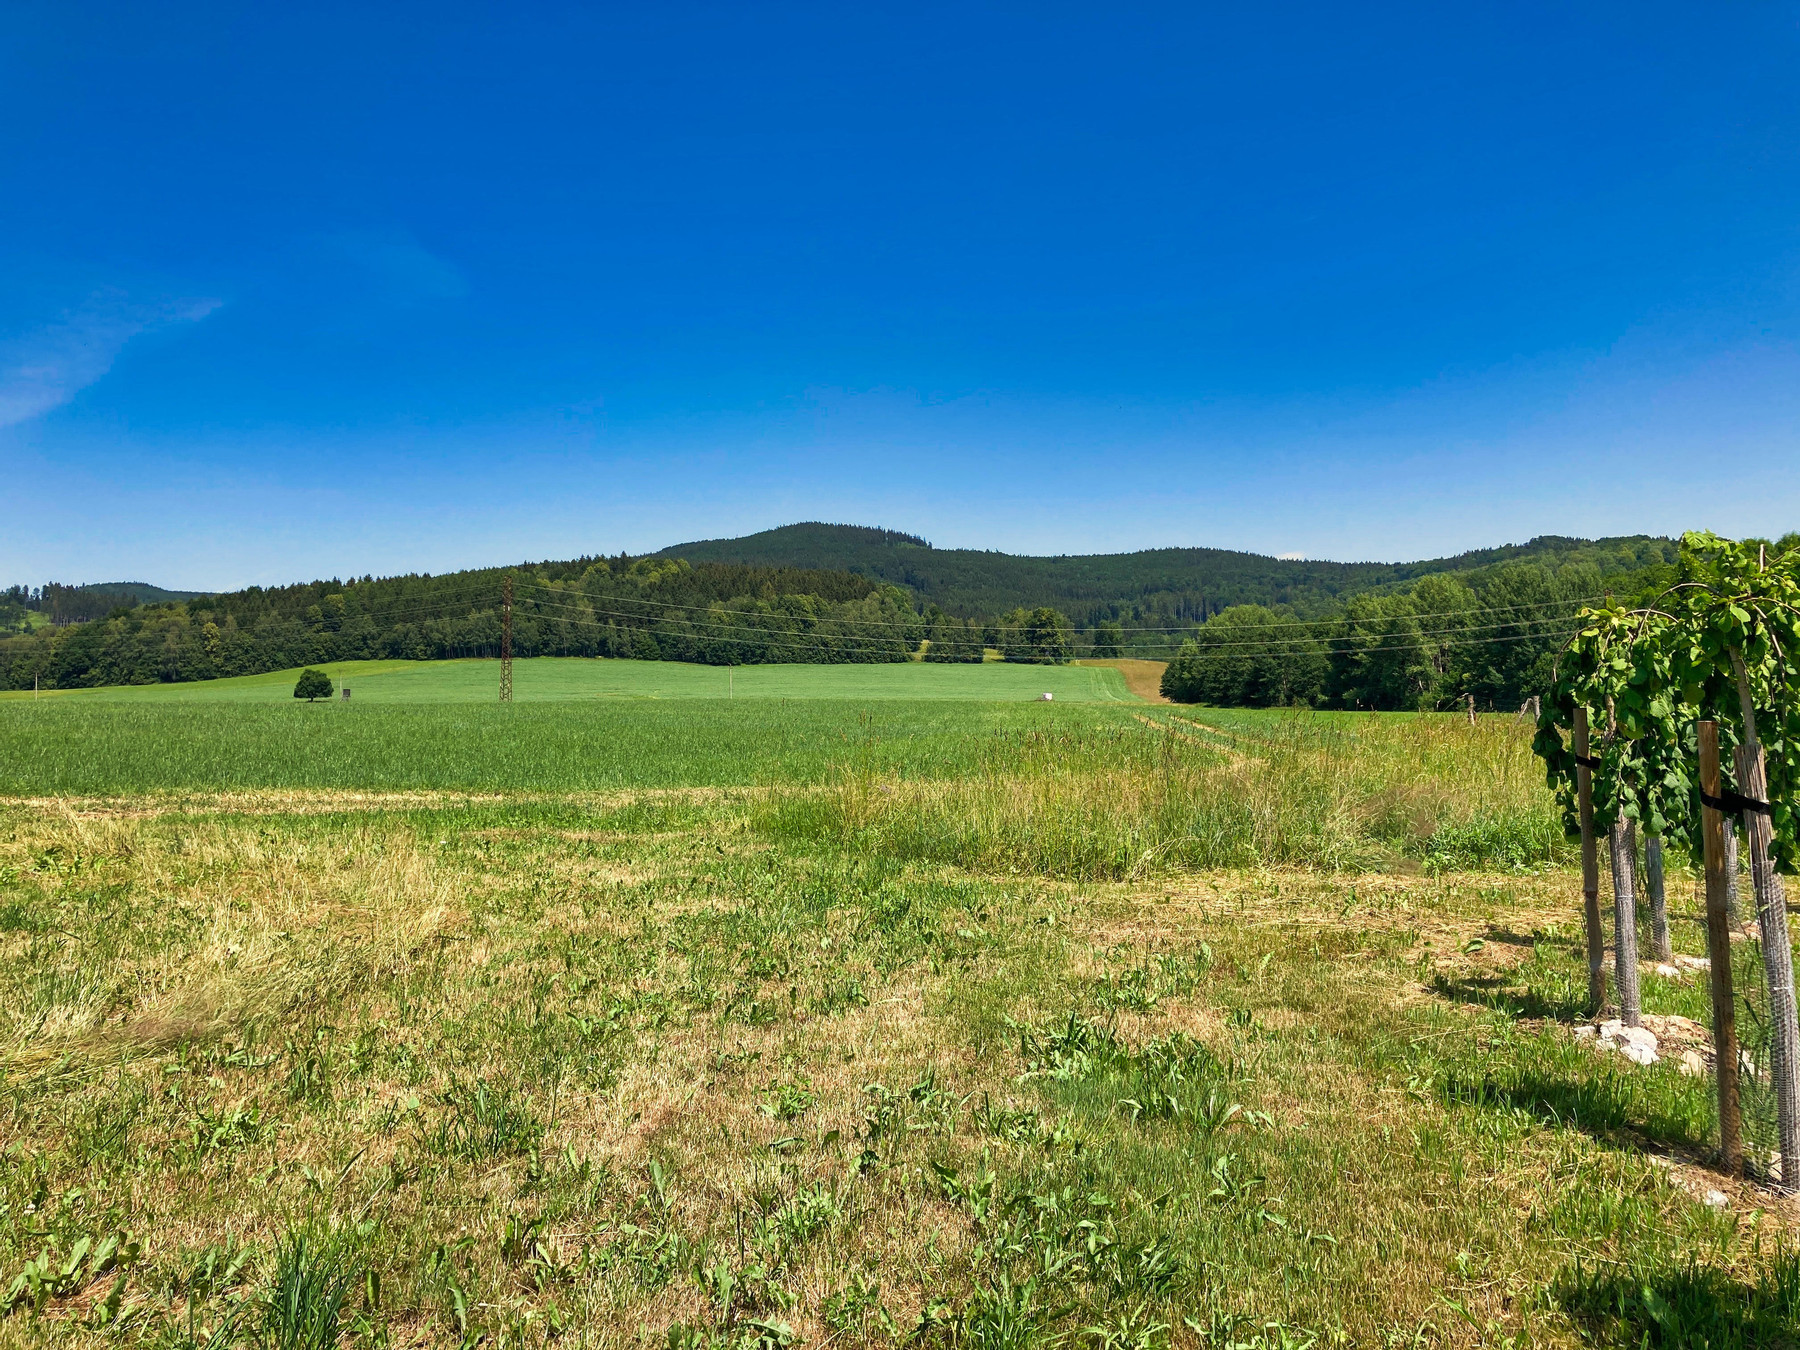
1490 633
649 608
1492 636
1155 589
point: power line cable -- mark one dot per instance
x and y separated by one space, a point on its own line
854 642
1325 648
1175 628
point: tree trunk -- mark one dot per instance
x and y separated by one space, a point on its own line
1778 955
1659 912
1625 963
1590 869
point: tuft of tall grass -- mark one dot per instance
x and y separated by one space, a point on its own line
304 1305
481 1122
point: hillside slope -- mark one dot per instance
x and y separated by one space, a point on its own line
1179 584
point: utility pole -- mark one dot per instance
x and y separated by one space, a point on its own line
506 639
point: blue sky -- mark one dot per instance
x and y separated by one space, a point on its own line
290 291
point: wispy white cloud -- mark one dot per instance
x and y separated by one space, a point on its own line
46 368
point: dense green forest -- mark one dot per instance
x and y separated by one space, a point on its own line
1491 635
1347 635
79 604
650 608
1171 588
1487 634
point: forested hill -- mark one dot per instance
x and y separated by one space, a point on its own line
829 593
651 608
1174 585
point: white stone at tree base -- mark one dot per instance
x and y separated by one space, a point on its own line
1717 1199
1637 1044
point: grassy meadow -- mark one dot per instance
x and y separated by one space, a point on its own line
845 1019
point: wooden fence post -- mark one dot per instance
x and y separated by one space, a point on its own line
1778 957
1471 699
1715 829
1625 962
1771 918
1590 868
1659 910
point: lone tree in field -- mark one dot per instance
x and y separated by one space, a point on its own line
313 684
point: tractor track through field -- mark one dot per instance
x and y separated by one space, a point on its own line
1222 746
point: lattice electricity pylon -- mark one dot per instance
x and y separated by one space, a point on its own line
506 640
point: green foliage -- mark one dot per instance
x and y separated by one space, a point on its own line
1675 1303
1381 657
1485 623
313 684
479 1122
304 1305
1248 657
647 608
951 639
1155 587
1041 636
1729 629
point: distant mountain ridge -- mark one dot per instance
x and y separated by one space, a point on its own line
83 604
1177 584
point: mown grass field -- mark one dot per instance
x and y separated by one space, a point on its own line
835 1022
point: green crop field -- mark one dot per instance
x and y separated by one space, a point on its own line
558 679
874 1006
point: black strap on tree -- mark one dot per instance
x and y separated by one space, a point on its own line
1732 804
1588 761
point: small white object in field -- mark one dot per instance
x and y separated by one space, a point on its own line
1667 972
1692 1065
1694 962
1045 698
1717 1199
